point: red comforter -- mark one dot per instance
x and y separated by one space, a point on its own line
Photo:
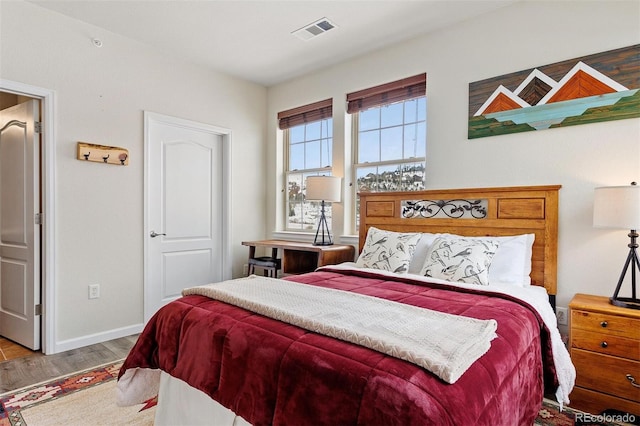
270 372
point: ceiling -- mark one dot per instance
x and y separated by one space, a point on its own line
252 39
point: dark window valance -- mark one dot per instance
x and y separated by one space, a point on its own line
305 114
396 91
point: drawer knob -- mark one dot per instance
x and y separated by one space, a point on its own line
604 344
604 324
632 380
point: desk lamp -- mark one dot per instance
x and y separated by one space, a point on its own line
323 188
619 207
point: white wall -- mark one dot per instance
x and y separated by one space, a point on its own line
511 39
101 94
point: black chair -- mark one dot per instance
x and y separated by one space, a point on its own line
270 264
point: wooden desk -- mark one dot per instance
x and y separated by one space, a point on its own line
298 258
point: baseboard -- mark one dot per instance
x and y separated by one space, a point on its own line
92 339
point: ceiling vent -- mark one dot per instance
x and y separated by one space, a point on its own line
315 29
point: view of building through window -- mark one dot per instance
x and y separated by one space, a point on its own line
405 177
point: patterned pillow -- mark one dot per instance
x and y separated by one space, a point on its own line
386 250
460 259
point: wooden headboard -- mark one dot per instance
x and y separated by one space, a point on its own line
474 212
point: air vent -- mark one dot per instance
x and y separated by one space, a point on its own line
315 29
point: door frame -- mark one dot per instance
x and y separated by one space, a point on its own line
47 190
226 252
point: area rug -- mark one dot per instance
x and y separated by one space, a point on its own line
83 398
550 415
88 398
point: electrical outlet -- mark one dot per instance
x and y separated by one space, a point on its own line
94 291
561 315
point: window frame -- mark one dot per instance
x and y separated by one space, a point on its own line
400 91
304 173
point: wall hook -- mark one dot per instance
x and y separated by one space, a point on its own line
103 154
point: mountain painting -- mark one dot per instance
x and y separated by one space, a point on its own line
589 89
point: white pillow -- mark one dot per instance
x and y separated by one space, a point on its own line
422 249
387 250
511 263
460 259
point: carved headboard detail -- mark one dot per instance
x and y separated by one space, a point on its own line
474 212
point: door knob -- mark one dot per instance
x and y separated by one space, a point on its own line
153 234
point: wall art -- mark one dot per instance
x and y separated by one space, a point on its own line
589 89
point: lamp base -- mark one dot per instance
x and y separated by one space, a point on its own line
625 302
632 260
323 243
323 231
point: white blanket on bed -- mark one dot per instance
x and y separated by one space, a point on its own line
535 296
445 344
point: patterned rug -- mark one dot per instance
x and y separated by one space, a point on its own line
549 415
41 404
58 401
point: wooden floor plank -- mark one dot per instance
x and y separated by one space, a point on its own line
121 346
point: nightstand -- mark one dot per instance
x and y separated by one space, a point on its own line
604 342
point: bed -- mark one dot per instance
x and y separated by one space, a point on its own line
469 274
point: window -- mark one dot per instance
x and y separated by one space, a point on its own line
308 143
389 123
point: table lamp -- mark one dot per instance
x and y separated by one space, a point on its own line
619 207
323 188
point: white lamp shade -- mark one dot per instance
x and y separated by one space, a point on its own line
325 188
617 207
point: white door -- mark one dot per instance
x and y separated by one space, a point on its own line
19 231
185 208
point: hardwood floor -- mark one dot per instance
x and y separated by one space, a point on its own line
36 367
10 350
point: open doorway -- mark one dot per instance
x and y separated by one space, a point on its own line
42 308
20 224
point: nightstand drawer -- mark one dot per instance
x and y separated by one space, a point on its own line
606 374
604 323
605 344
596 402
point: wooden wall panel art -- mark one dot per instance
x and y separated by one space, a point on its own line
589 89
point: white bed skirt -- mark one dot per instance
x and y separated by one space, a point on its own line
180 404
